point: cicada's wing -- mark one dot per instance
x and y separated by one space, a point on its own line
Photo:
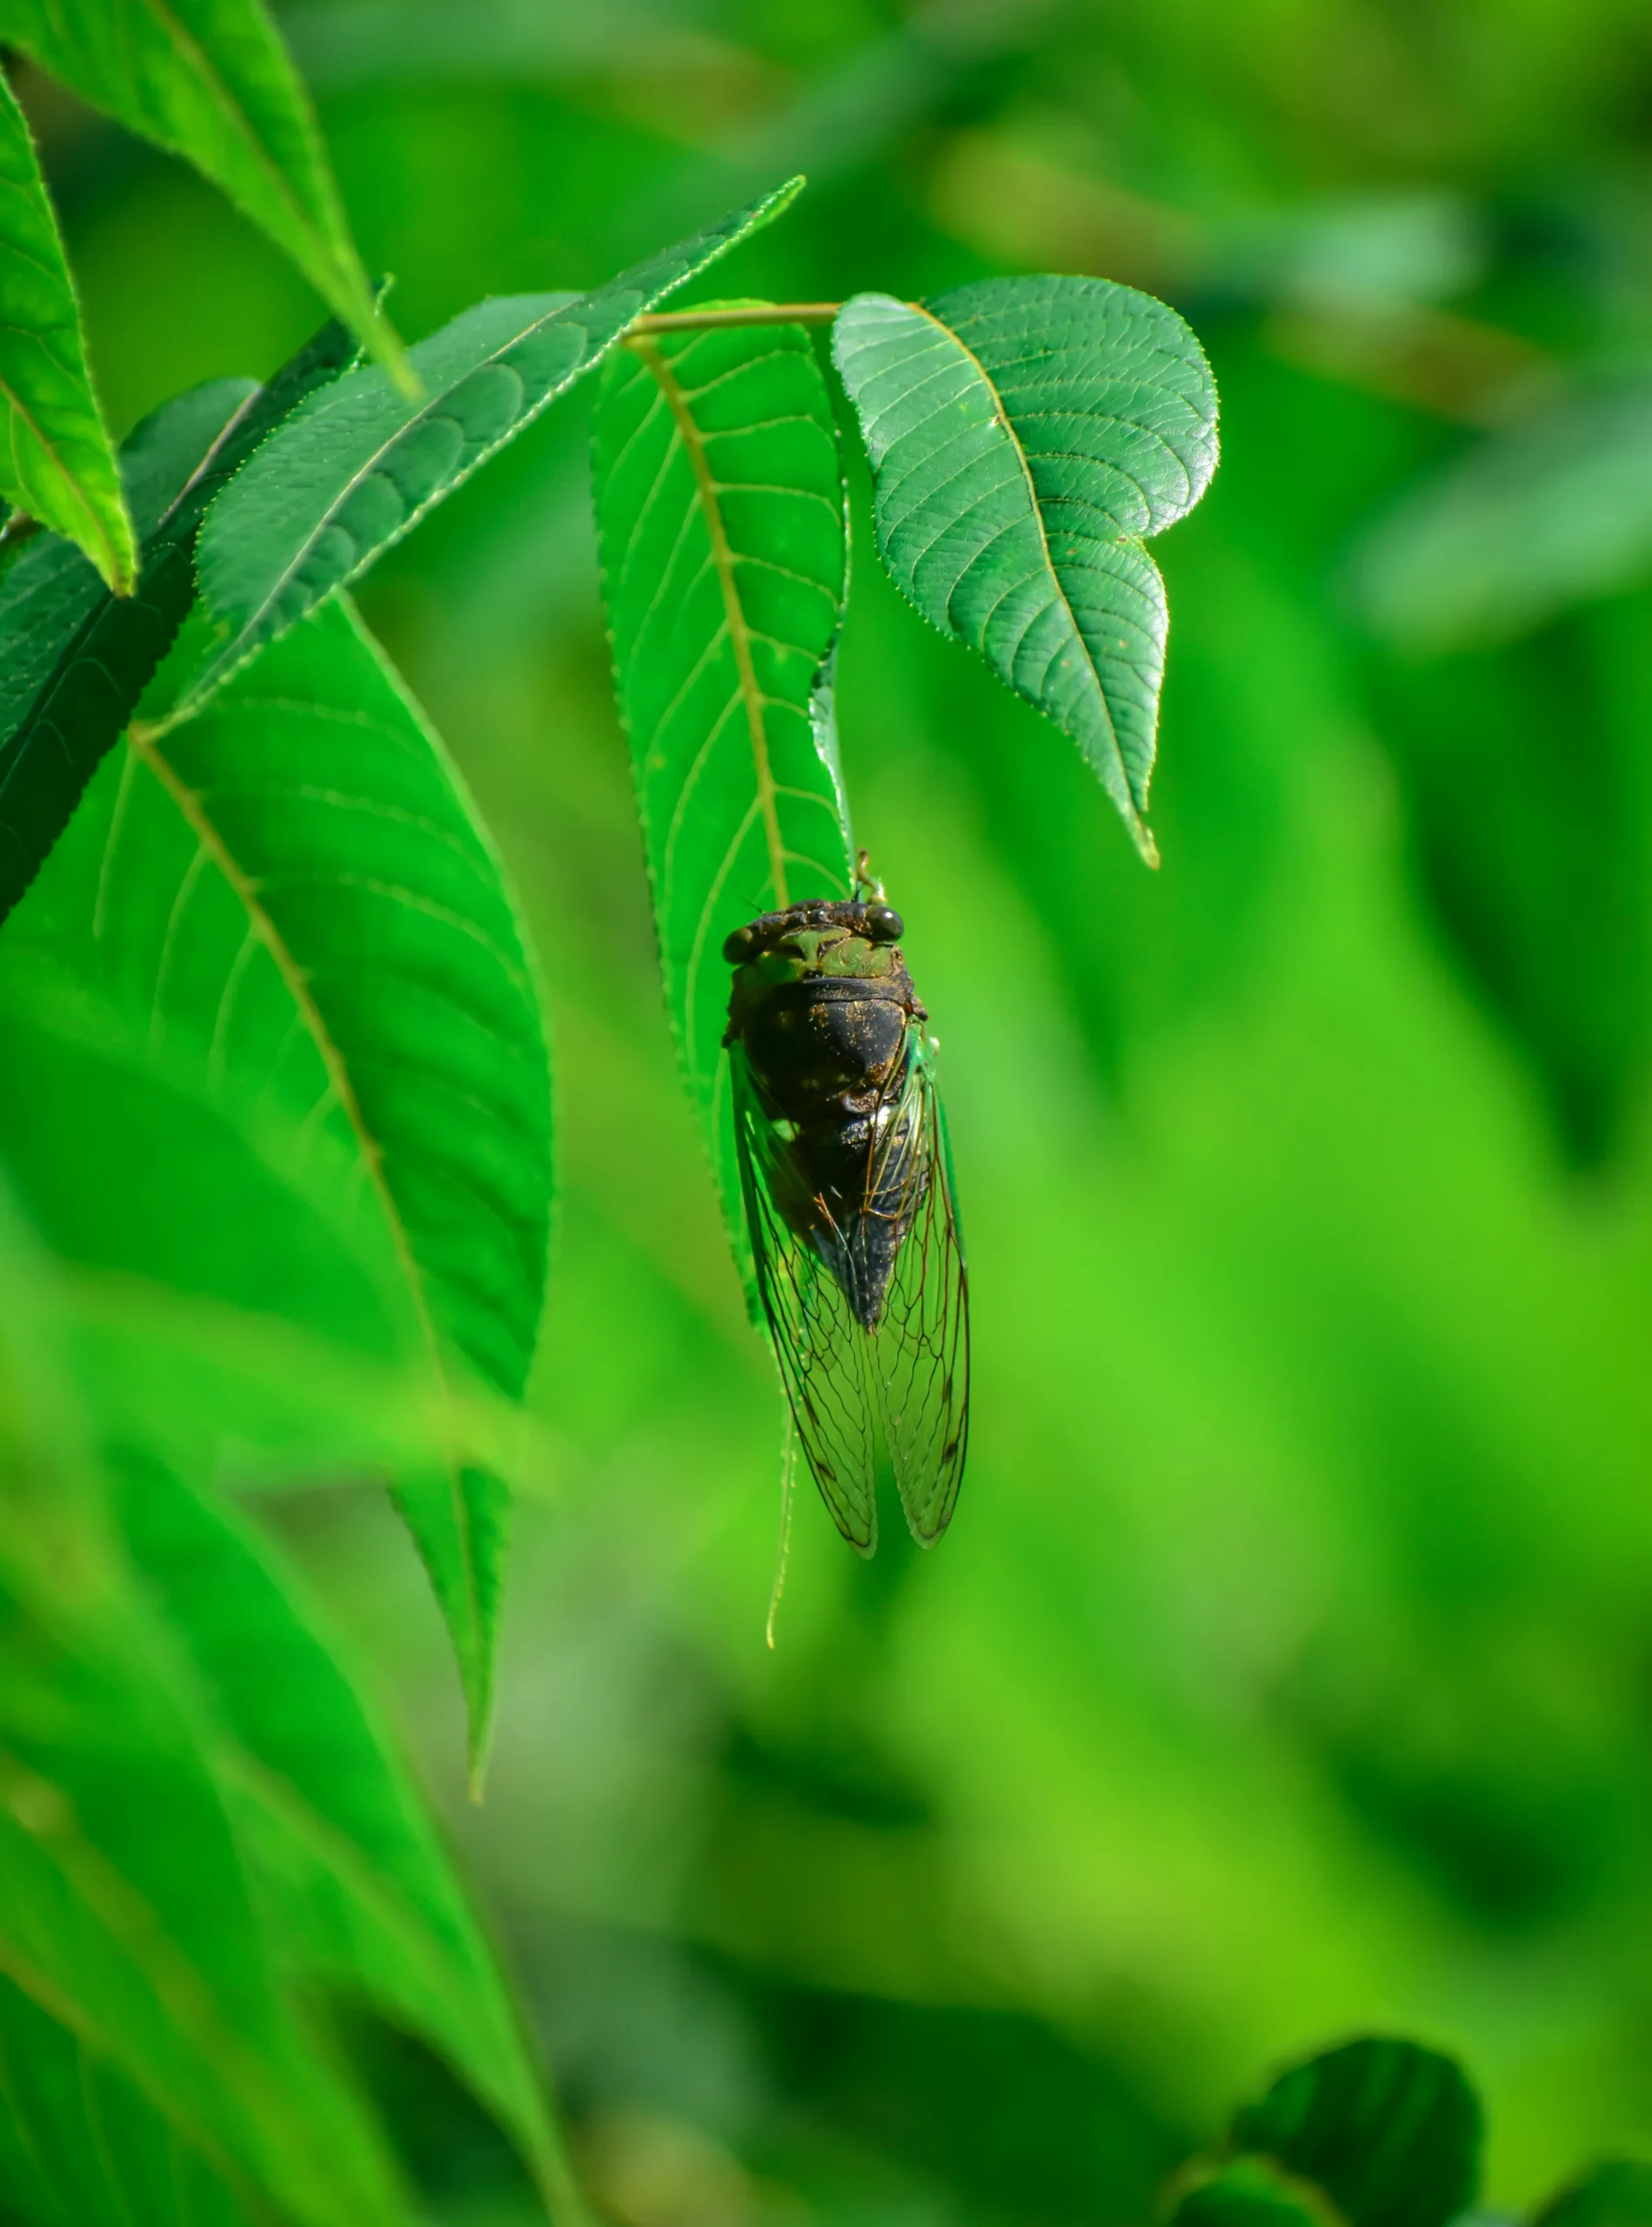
919 1352
821 1348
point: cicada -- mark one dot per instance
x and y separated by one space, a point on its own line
849 1198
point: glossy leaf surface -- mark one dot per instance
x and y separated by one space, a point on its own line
56 463
358 469
1026 434
719 505
211 80
279 935
73 659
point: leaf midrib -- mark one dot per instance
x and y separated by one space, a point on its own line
145 742
1138 827
723 561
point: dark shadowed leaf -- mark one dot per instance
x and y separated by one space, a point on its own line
73 659
720 509
358 469
55 460
1615 2193
1252 2192
1025 436
1388 2131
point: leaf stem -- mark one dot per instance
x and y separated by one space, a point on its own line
750 313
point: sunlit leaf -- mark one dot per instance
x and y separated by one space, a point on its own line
73 659
55 460
364 1898
719 505
279 935
211 80
1025 436
359 468
126 1913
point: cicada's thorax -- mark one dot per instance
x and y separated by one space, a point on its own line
826 1013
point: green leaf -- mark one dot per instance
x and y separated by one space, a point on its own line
1252 2192
1025 434
55 460
363 1897
81 2146
1390 2132
279 937
1615 2193
73 659
1525 524
359 468
212 80
720 512
126 1913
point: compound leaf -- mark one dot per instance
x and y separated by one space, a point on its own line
1025 434
720 512
74 659
56 463
356 468
211 80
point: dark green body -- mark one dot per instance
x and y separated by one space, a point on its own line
824 1012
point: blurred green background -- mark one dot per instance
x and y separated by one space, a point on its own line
1288 1668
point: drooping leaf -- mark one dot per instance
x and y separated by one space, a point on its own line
73 659
364 1898
1615 2193
277 955
126 1916
359 468
1526 524
56 463
211 80
1388 2131
1025 435
720 511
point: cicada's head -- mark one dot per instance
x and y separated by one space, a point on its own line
847 942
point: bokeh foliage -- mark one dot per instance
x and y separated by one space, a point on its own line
1286 1669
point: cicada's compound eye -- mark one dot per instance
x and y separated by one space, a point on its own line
738 948
884 924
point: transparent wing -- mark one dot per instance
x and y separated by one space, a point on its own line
820 1347
920 1355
